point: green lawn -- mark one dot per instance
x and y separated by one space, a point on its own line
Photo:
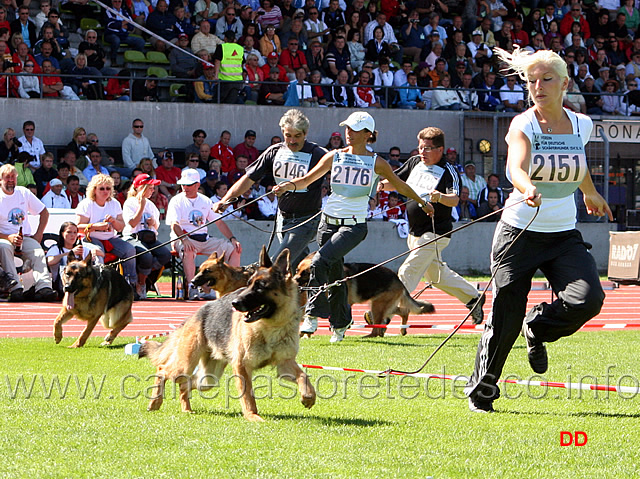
356 429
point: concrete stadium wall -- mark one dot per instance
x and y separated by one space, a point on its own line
171 124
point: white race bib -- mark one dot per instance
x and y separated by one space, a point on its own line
423 179
558 164
289 165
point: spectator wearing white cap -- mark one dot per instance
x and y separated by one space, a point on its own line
187 212
55 198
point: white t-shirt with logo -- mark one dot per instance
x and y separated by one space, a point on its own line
190 213
15 208
97 214
129 210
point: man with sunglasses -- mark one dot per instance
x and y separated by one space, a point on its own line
31 144
25 27
436 180
136 147
229 22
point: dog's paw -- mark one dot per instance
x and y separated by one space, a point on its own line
57 338
154 405
403 332
253 418
105 343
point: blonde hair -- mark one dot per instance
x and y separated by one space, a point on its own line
97 180
77 132
8 169
520 62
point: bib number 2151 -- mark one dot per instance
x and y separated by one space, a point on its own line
556 168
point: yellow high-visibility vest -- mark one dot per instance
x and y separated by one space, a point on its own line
231 64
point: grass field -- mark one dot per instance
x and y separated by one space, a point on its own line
356 429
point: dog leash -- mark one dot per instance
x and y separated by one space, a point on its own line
486 288
224 215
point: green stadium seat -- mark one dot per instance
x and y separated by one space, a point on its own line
157 71
157 57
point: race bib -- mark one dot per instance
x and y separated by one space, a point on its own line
289 165
423 179
558 164
353 175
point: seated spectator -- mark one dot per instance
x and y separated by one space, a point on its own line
46 53
317 92
192 162
412 36
168 174
338 59
357 51
247 148
493 184
145 90
400 76
340 93
25 26
93 49
272 62
79 143
21 57
28 84
118 88
57 255
39 20
229 23
23 172
88 81
198 139
335 141
140 10
239 171
208 186
629 108
271 14
512 95
16 203
438 72
52 86
490 206
377 47
465 209
118 31
220 189
315 27
409 95
161 202
69 157
591 97
183 25
270 42
612 102
9 146
206 12
392 211
298 32
162 22
315 57
73 192
223 152
445 98
204 39
475 183
490 100
182 64
8 83
292 58
268 205
120 187
100 217
61 34
272 93
94 168
299 92
206 87
248 43
142 220
574 100
374 212
146 166
43 175
437 51
478 49
55 198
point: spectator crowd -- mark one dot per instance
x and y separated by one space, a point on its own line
419 54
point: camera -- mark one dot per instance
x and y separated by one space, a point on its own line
9 64
16 142
260 13
415 20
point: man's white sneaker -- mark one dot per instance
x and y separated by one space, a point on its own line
309 326
338 333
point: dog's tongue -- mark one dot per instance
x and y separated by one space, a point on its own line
68 301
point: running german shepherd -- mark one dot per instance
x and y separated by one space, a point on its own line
93 293
221 277
250 328
381 287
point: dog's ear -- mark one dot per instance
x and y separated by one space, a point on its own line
214 257
282 261
265 261
89 259
71 257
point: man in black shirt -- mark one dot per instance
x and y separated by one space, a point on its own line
292 158
436 180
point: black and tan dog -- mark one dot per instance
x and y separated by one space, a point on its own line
250 328
92 294
381 287
221 277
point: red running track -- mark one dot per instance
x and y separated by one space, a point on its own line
160 315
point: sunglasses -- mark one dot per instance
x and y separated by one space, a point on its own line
29 129
105 188
138 126
394 156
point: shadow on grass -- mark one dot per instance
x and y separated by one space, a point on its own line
323 420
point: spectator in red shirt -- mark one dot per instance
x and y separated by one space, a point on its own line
239 171
575 15
73 191
272 62
518 35
246 148
168 174
52 85
222 152
21 56
292 59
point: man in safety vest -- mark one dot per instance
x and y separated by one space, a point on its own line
228 68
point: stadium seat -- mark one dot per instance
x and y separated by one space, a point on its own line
157 71
90 24
174 91
157 57
134 56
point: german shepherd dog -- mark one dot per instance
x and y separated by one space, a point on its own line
221 277
381 287
250 328
93 293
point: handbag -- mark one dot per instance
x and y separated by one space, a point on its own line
147 236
